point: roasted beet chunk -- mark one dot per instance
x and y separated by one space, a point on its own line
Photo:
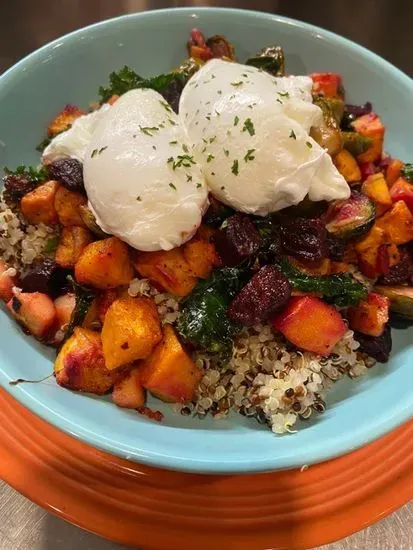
335 249
238 240
45 277
400 273
69 172
378 347
17 185
265 293
304 239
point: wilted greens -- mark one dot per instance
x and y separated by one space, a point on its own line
407 172
84 297
269 59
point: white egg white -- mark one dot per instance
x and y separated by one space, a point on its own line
249 133
140 177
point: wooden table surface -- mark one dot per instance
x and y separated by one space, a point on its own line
384 26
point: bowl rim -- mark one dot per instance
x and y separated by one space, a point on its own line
338 445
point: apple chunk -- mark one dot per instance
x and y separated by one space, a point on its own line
128 392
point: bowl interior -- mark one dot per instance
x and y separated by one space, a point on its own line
70 70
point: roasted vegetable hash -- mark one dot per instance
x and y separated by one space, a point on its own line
255 313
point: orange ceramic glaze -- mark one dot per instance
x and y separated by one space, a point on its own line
158 509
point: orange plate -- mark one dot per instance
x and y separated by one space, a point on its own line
159 509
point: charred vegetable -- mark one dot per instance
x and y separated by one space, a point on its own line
45 277
238 241
327 135
89 220
401 299
217 212
21 181
338 288
220 47
264 294
378 347
189 66
350 218
407 172
356 143
270 59
400 273
204 321
84 297
304 239
119 83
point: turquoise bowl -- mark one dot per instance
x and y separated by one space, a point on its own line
71 69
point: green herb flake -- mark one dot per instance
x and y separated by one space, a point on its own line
210 157
183 160
51 244
249 127
198 185
235 167
309 145
172 186
284 94
226 152
212 139
249 155
173 142
185 148
154 147
292 135
212 173
166 106
148 130
236 120
139 199
237 84
219 92
222 187
279 101
171 122
188 177
208 117
94 153
102 149
217 113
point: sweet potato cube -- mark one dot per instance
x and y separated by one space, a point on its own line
128 392
67 205
104 264
347 165
38 206
311 324
327 84
370 126
64 120
375 188
200 254
393 171
368 249
371 315
169 270
131 330
402 190
64 306
73 240
35 311
397 223
80 364
169 373
7 282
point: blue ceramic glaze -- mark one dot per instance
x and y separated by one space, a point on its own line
70 70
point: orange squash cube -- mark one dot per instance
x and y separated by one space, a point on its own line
370 126
402 190
397 223
169 373
73 240
376 189
167 269
128 392
64 120
131 330
393 171
347 165
310 324
104 264
67 205
200 253
38 206
371 315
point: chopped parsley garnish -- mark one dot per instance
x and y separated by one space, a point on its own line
171 159
208 117
292 135
217 113
138 199
185 148
235 167
154 147
249 155
309 145
204 140
172 186
279 101
94 153
219 92
102 149
223 187
212 139
171 122
212 173
249 127
203 150
226 152
188 177
182 160
236 120
237 84
283 94
210 157
166 106
174 142
198 185
245 74
148 130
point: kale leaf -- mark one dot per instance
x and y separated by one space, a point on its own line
203 321
33 174
269 59
340 289
84 297
119 83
